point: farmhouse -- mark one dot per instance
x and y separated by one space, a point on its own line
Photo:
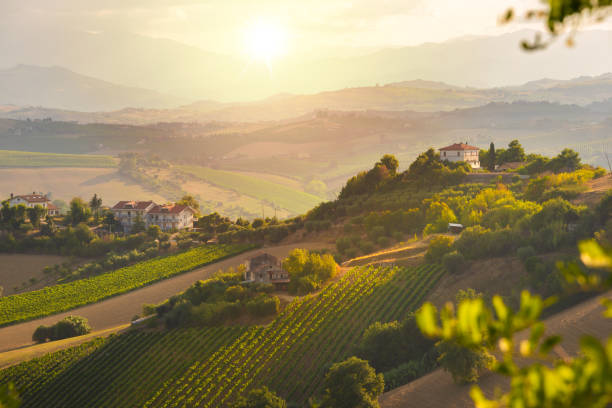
266 268
461 152
169 217
32 200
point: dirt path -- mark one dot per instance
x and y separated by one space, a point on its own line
120 310
438 390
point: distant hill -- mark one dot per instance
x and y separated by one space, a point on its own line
172 67
417 96
55 87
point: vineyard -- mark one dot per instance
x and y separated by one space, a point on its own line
211 367
9 158
59 298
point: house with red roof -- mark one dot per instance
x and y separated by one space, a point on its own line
32 200
461 152
169 217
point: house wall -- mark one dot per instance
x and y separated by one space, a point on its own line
472 157
17 201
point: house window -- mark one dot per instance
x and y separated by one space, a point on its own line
458 153
444 154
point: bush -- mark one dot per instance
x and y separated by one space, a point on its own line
352 383
523 253
260 398
453 262
70 326
438 247
263 306
383 242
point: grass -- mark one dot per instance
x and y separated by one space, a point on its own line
295 201
59 298
11 158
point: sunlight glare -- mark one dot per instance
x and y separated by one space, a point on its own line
265 41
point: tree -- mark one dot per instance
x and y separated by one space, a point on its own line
390 162
568 160
190 201
70 326
139 225
465 364
109 221
95 204
35 214
514 153
558 16
352 384
491 158
48 227
261 398
154 231
78 212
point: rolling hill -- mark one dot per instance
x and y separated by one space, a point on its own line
60 88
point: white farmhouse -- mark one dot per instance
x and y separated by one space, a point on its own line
171 217
461 152
128 212
32 200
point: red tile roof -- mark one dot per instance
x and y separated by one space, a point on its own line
459 146
33 198
51 207
169 209
132 205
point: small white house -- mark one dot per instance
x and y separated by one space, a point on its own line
461 152
32 200
168 217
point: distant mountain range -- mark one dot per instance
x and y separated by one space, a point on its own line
27 85
174 68
414 96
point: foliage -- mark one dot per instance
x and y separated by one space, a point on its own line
352 384
368 181
260 398
55 299
438 247
79 212
545 380
70 326
438 216
453 262
308 270
9 397
464 364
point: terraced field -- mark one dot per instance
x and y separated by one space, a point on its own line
212 367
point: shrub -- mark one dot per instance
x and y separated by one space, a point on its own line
70 326
438 247
260 398
366 246
263 306
523 253
343 244
453 262
383 241
352 383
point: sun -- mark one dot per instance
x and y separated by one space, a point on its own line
265 41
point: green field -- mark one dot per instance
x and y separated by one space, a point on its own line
295 201
59 298
11 158
212 367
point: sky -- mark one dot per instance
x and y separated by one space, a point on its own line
311 27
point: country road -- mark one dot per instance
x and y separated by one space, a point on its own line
119 310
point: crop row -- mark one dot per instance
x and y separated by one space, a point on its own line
59 298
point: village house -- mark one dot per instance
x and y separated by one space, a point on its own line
168 217
266 268
32 200
461 152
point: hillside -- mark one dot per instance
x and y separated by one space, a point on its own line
438 390
60 88
309 334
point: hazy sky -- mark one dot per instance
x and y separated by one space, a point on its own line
219 25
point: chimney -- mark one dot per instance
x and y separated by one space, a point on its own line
11 195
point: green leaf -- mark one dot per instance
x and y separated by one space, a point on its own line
549 343
593 255
426 320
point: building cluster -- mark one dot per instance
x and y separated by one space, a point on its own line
168 217
32 200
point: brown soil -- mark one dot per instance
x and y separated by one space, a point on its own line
18 268
597 188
